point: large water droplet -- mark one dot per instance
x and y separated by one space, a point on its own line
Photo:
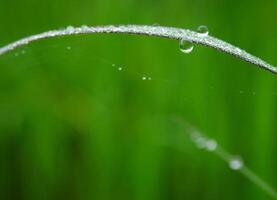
203 30
186 46
236 163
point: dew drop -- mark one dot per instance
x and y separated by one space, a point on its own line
70 29
203 30
200 142
84 27
236 163
144 78
186 46
68 47
149 78
119 68
211 145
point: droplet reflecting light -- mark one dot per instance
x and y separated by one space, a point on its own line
211 145
203 30
236 163
186 46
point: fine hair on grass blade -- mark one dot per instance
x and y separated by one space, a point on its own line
159 31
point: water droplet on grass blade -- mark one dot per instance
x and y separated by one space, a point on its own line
211 145
70 29
203 30
186 46
236 163
200 142
84 27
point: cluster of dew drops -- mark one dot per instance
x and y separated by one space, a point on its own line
186 46
235 162
211 145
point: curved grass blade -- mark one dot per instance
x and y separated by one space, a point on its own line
159 31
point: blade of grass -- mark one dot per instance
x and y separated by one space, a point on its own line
159 31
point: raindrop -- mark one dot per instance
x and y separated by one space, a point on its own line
84 27
149 78
200 142
211 145
70 29
186 46
144 78
203 30
119 68
236 163
68 48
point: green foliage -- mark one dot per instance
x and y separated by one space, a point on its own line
74 127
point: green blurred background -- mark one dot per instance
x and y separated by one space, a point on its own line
72 126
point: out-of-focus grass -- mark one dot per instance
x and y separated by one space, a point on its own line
74 127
